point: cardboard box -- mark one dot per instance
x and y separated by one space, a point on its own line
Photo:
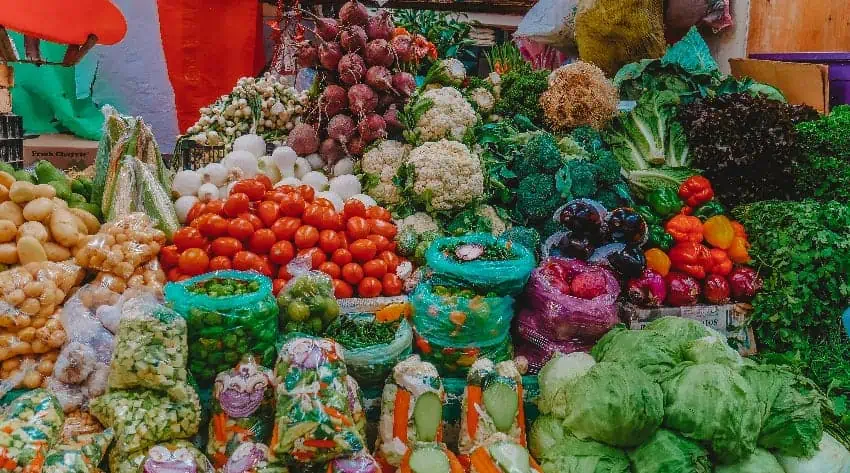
801 83
64 151
5 100
729 319
7 76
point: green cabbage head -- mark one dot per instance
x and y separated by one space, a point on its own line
554 377
573 455
667 452
652 352
761 461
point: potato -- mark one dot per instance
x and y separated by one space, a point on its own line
60 202
12 212
6 179
8 232
38 210
56 252
22 192
34 229
8 253
4 193
91 222
64 228
45 190
81 226
30 250
33 379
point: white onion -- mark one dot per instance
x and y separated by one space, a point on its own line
302 167
316 180
316 161
289 181
183 205
343 166
244 161
284 157
269 168
254 144
208 192
368 201
215 173
345 186
186 183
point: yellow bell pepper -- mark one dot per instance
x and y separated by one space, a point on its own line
658 261
718 232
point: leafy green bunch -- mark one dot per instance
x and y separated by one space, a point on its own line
823 170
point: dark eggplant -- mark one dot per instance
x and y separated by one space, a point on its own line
627 226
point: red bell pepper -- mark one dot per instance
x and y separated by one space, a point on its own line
719 263
690 258
695 191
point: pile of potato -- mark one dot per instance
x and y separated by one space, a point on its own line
122 246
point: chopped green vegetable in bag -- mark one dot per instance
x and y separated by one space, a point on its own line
170 456
81 454
371 349
667 452
29 428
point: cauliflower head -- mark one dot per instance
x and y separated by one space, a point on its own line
419 222
449 116
381 164
455 70
446 174
483 99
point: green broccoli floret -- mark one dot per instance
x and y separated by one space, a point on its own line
610 171
537 198
521 93
525 236
540 155
564 183
592 142
549 228
585 178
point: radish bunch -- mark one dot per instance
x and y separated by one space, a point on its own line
359 58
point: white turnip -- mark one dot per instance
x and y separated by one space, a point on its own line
379 78
331 151
327 29
372 127
379 53
391 119
404 83
308 55
380 26
330 54
403 47
353 39
362 100
333 100
355 146
341 128
351 69
353 13
303 139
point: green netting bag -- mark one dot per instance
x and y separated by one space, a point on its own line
80 454
370 364
452 360
481 261
229 314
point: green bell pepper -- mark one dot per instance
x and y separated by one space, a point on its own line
648 215
659 238
710 209
665 202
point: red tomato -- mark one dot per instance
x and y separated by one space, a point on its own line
376 268
292 205
215 207
352 273
262 241
306 236
195 211
286 189
268 211
369 287
331 269
188 237
193 261
283 273
169 256
175 275
219 263
265 181
240 229
281 252
263 267
357 227
363 250
324 203
213 226
328 241
307 192
391 259
381 242
354 208
252 219
277 285
275 196
379 213
285 227
245 260
329 219
237 203
225 246
341 257
316 256
383 228
392 285
313 215
254 189
342 290
339 222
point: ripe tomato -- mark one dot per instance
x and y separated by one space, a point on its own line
381 242
383 228
341 257
263 267
363 250
339 222
195 211
281 252
392 284
215 206
252 219
369 287
391 259
169 256
240 229
354 208
261 241
352 273
331 269
328 241
313 215
193 261
286 189
292 204
188 237
245 260
285 227
324 203
375 268
283 273
306 236
275 195
220 263
329 219
213 226
342 290
268 211
317 257
237 203
175 275
254 189
265 181
277 285
225 246
307 192
379 213
357 227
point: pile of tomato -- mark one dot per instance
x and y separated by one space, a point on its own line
261 228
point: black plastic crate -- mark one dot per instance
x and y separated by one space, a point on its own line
12 152
190 155
11 126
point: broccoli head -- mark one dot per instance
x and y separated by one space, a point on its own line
525 236
537 199
584 176
610 171
521 93
540 155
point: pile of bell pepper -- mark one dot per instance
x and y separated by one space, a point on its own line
691 239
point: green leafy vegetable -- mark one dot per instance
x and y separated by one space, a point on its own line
823 171
649 351
574 455
667 452
521 91
761 461
554 377
351 333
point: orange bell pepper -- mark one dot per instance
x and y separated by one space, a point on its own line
739 229
685 228
739 251
718 232
658 261
720 263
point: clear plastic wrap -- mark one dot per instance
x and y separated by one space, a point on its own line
172 457
249 457
307 302
454 361
551 22
80 454
224 328
507 456
360 463
314 419
371 364
536 348
29 428
122 246
242 411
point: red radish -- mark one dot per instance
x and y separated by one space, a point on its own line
372 127
327 28
404 83
333 100
380 26
331 151
353 13
355 146
308 55
341 128
362 100
379 78
353 39
379 53
403 47
351 69
391 119
330 54
303 139
589 285
387 99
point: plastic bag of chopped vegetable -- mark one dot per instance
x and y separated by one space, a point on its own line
151 350
502 456
307 303
179 456
411 410
432 457
456 360
492 406
243 409
229 314
314 422
481 261
29 428
81 454
371 348
141 419
248 457
360 463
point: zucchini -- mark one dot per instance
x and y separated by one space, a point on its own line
502 403
429 459
427 416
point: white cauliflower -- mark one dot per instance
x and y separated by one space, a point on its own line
455 70
483 99
419 222
449 115
382 162
446 174
499 225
